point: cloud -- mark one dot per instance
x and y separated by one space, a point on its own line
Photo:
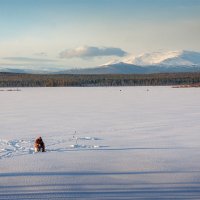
88 51
43 54
27 59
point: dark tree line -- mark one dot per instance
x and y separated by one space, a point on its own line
64 80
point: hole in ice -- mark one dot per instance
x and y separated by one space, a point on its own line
84 146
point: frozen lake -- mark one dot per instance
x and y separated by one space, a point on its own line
102 143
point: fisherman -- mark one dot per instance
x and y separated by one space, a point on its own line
39 145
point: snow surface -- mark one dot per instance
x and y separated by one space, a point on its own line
102 143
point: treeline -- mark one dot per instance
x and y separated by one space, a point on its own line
64 80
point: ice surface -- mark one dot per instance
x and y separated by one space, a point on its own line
102 143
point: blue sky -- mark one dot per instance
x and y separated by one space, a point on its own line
86 33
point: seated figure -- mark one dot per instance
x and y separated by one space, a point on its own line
39 145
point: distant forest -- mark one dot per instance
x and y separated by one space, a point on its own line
64 80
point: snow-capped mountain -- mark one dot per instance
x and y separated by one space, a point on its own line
170 58
156 62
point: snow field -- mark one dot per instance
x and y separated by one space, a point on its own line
102 143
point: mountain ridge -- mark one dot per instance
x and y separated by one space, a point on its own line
147 63
168 58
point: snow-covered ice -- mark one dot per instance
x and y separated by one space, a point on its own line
102 143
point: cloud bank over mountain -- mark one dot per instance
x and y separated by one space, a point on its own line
90 51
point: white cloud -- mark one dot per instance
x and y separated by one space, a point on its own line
27 59
89 51
40 54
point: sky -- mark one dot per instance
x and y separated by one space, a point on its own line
40 34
